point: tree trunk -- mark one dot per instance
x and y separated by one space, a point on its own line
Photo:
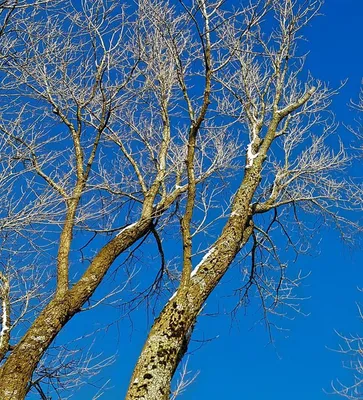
164 348
16 372
169 337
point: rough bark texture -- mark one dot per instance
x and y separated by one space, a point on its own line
16 372
165 346
168 339
169 336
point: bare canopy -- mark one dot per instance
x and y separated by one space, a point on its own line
120 123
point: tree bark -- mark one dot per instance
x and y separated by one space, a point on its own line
168 339
16 372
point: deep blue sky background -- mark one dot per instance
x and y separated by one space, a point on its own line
240 363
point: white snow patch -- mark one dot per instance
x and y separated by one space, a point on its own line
250 155
173 295
195 270
5 326
126 228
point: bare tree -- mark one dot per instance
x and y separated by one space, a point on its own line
81 85
119 123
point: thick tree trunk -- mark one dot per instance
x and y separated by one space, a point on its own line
168 339
16 372
165 346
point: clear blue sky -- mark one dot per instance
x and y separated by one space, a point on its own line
240 363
